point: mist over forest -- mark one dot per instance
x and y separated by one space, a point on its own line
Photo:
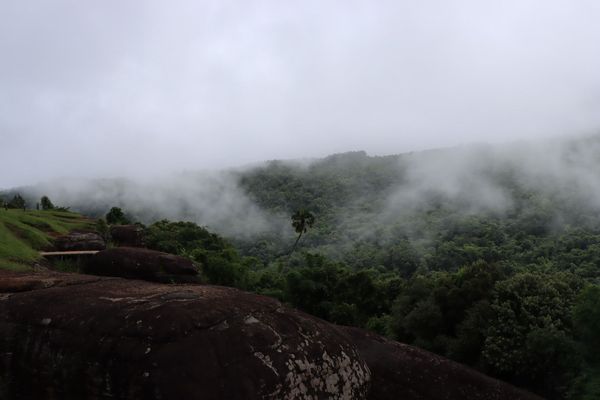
560 174
425 171
472 252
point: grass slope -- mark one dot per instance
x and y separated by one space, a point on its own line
24 233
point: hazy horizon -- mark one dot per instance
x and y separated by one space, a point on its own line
303 160
141 89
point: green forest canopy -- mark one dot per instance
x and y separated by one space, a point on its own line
493 264
507 292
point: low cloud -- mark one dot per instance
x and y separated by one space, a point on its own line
211 199
145 88
484 178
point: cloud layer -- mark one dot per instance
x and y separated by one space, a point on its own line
146 87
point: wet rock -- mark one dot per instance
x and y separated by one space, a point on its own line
138 263
81 337
127 235
79 241
405 372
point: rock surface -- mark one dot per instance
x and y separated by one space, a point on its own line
127 235
145 264
68 336
78 241
399 371
83 337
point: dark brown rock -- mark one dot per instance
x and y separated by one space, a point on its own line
127 235
137 263
78 241
81 337
399 371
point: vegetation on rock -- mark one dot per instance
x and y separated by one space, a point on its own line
24 234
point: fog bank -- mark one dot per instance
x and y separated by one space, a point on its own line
143 88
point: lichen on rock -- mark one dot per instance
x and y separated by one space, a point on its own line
81 337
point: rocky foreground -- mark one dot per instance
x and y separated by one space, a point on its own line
69 336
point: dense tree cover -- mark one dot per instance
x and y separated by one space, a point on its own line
221 264
527 327
586 316
17 202
116 216
511 291
530 337
356 223
496 269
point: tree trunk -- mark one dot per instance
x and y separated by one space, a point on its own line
295 243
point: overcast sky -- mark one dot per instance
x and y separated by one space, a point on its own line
105 88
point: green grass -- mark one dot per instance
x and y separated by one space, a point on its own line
24 233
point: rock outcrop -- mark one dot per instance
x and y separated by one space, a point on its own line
77 241
83 337
65 336
145 264
127 235
399 371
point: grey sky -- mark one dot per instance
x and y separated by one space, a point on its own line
105 88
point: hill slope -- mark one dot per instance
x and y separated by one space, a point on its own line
24 233
480 254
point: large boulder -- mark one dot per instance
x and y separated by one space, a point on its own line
138 263
399 371
127 235
83 337
79 241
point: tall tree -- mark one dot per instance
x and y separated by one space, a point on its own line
301 221
116 216
46 203
17 202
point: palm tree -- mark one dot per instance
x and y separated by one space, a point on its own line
301 221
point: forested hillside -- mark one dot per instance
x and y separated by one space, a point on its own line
493 262
489 255
482 255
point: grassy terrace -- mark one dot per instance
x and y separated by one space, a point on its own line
24 233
